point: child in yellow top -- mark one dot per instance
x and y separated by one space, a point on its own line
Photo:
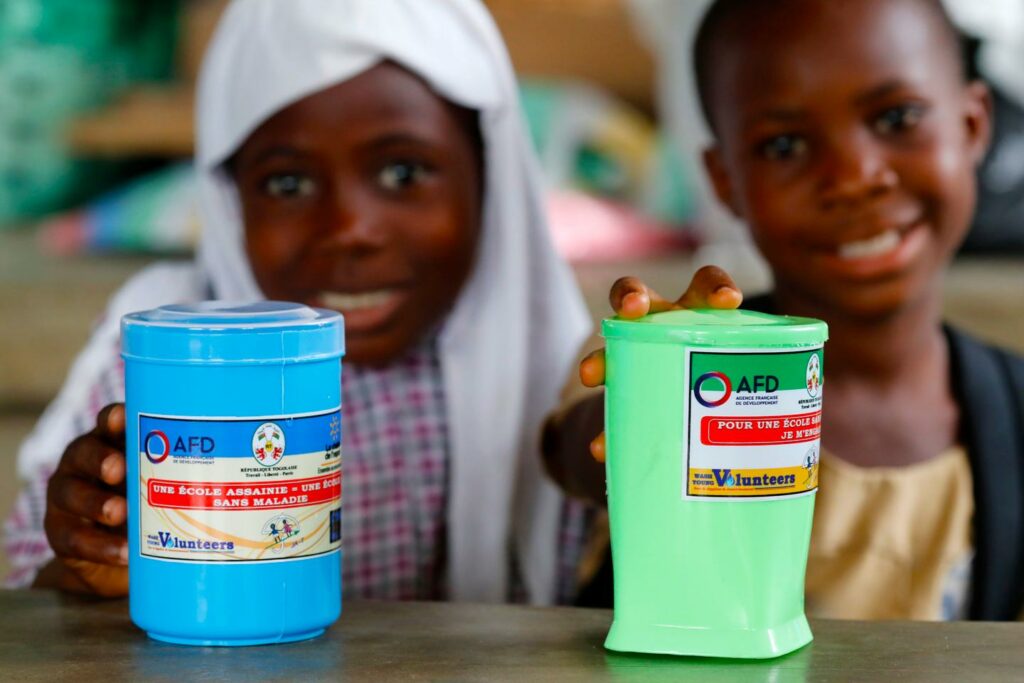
847 137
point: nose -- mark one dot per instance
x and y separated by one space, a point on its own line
351 224
855 169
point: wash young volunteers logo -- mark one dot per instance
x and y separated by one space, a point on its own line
813 376
268 444
712 389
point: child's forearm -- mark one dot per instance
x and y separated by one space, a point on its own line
566 449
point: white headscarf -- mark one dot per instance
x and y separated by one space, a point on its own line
510 341
513 335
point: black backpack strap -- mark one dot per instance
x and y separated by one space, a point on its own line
992 419
1013 371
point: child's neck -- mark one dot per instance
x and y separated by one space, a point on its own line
881 350
889 400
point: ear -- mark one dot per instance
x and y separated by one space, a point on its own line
978 112
720 181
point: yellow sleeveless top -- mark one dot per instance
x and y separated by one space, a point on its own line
892 542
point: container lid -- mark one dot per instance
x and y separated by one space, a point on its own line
709 327
233 332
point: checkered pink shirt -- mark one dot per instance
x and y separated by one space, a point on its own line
395 460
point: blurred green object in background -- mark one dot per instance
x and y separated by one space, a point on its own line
591 141
59 58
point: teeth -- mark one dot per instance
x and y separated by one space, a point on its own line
876 246
355 302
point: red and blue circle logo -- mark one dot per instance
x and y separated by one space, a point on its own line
157 446
712 389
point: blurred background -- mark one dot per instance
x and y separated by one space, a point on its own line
96 135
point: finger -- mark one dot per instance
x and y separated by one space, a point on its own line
110 424
90 458
598 448
711 287
73 538
105 580
592 369
630 298
82 498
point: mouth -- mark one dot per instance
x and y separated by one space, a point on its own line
868 248
364 312
883 254
348 302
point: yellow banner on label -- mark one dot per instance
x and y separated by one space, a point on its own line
768 481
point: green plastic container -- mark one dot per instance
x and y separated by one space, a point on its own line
713 424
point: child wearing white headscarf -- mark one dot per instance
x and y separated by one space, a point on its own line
481 387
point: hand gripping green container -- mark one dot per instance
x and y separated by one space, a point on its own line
713 425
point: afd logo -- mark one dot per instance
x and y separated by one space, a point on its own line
712 389
758 384
158 446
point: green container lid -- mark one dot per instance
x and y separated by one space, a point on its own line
706 327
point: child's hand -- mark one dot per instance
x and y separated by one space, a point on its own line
711 287
86 511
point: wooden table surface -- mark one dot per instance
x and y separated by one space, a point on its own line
49 637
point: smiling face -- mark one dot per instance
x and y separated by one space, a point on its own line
848 141
365 198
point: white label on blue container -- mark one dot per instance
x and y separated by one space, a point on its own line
245 489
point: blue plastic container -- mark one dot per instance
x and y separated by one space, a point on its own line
234 471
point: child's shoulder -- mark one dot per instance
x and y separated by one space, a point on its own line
988 383
968 352
973 353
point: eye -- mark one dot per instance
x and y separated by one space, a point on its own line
402 174
899 119
289 185
783 147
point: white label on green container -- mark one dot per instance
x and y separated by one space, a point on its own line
247 489
753 424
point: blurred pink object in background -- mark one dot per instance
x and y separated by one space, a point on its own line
586 228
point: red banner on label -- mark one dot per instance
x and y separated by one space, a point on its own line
760 431
265 495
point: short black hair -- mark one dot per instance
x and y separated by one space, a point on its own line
713 25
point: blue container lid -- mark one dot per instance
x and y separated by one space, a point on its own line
219 332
